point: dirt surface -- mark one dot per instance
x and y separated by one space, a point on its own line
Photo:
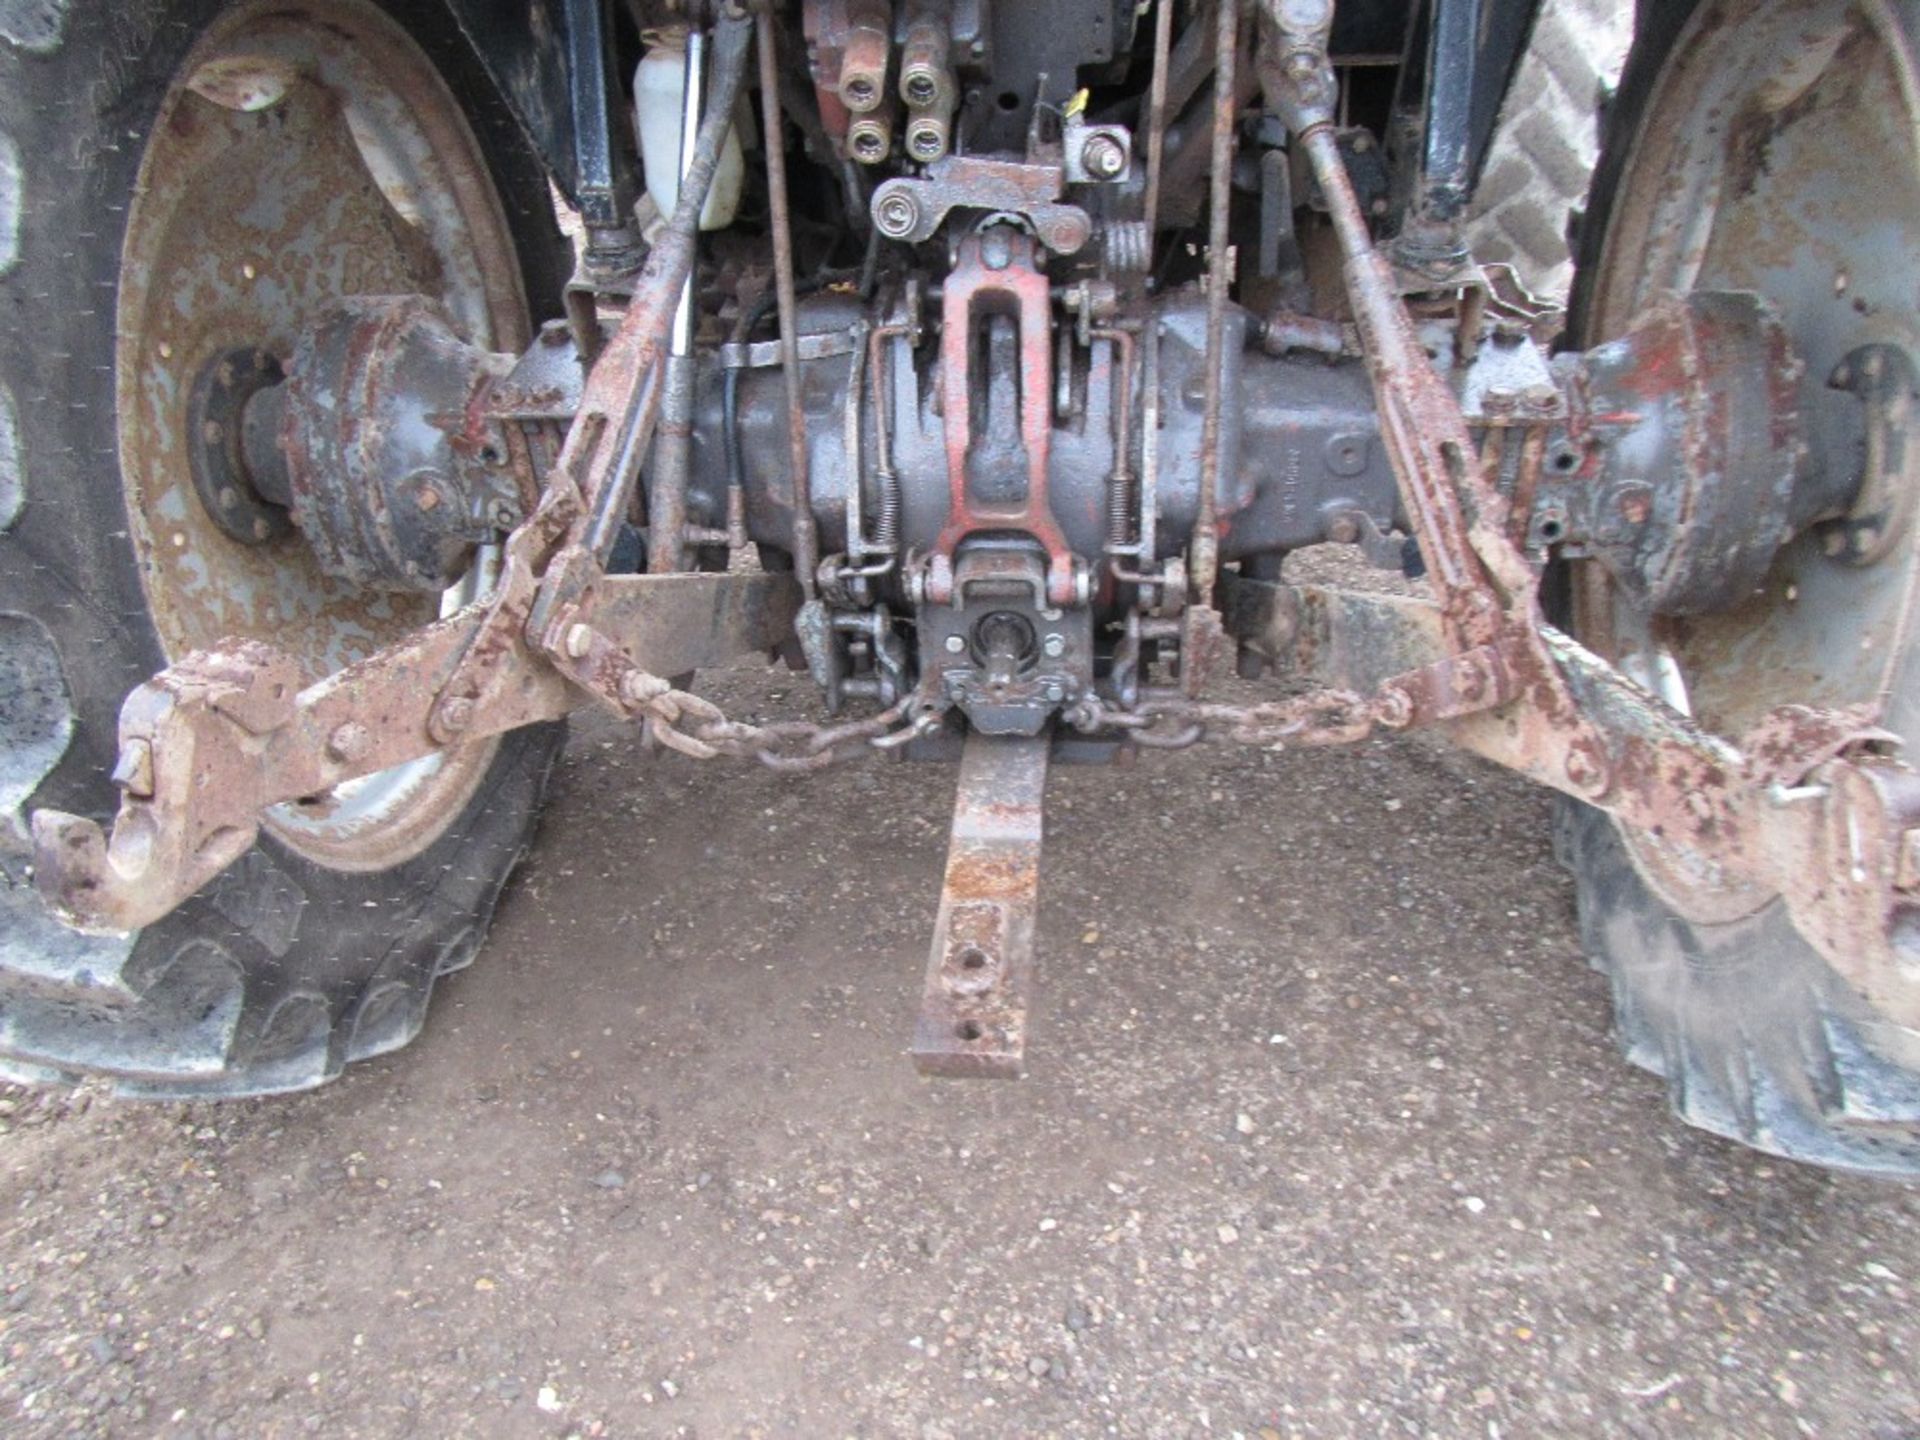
1324 1135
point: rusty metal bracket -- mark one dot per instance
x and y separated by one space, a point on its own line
212 742
913 210
997 271
209 744
1805 806
621 637
973 1011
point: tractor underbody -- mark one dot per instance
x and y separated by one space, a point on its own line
1016 495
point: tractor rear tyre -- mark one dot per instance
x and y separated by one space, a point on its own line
1772 148
179 178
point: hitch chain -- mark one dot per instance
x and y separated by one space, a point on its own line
694 726
1320 717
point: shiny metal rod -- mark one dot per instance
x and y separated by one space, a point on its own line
673 444
806 542
681 342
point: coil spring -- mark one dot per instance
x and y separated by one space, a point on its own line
1128 247
1119 517
886 520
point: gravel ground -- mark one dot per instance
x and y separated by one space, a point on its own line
1325 1135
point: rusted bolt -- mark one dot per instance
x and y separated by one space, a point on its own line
1102 157
456 714
1066 232
1343 530
1542 398
1635 503
555 333
1499 400
1585 771
1395 708
637 687
349 742
1470 682
896 214
579 640
134 772
426 497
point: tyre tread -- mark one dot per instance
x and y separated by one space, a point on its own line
279 973
1756 1039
